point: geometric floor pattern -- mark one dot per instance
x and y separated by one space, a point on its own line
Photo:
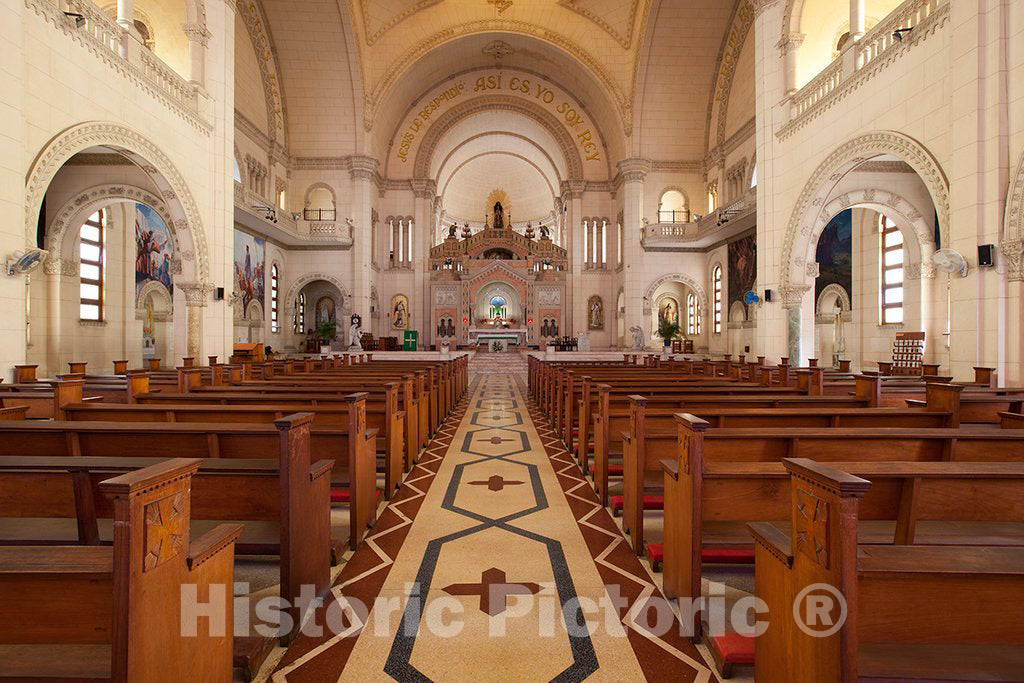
494 561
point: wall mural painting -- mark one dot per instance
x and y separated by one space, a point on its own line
249 263
835 255
400 312
154 249
668 310
742 270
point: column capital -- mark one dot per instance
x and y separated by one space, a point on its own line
1013 252
61 266
790 42
572 189
197 34
362 167
634 170
424 188
793 295
196 293
763 5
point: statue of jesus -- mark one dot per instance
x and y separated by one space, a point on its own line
499 216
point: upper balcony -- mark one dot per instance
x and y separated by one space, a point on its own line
905 27
291 230
84 22
697 235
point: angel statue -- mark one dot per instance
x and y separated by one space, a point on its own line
638 338
355 334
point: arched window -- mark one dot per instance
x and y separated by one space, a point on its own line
275 326
498 307
753 176
91 256
238 172
692 315
891 258
716 282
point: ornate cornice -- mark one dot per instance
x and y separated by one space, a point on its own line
716 156
94 159
681 166
197 33
884 167
424 188
363 168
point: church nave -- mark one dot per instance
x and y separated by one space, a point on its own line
493 543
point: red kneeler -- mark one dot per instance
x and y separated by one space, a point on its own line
650 503
730 650
656 555
345 495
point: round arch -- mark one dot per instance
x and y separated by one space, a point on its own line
836 291
918 239
1013 225
293 291
181 206
320 186
675 277
75 210
590 65
487 103
163 304
807 211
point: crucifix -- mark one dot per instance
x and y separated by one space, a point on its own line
492 590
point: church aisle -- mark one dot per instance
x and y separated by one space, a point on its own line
493 537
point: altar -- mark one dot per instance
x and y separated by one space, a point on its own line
479 336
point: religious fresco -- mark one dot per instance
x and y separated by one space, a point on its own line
400 312
835 255
742 270
668 310
154 249
249 266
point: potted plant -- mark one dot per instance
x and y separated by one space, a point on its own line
326 331
668 330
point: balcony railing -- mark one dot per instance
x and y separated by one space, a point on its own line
320 214
681 236
674 216
121 50
905 26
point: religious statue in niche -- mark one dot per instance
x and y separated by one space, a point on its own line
400 312
499 216
595 313
325 310
355 333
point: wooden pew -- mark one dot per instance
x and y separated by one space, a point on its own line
381 415
912 611
121 604
711 481
353 459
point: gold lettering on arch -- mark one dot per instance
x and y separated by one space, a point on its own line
537 90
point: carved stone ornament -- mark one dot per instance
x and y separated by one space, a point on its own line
1013 253
196 294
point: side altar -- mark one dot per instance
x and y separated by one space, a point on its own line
497 284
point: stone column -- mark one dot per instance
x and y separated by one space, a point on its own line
979 175
126 14
572 201
197 297
633 172
772 111
424 191
856 20
56 341
788 47
363 172
1013 255
792 304
198 40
